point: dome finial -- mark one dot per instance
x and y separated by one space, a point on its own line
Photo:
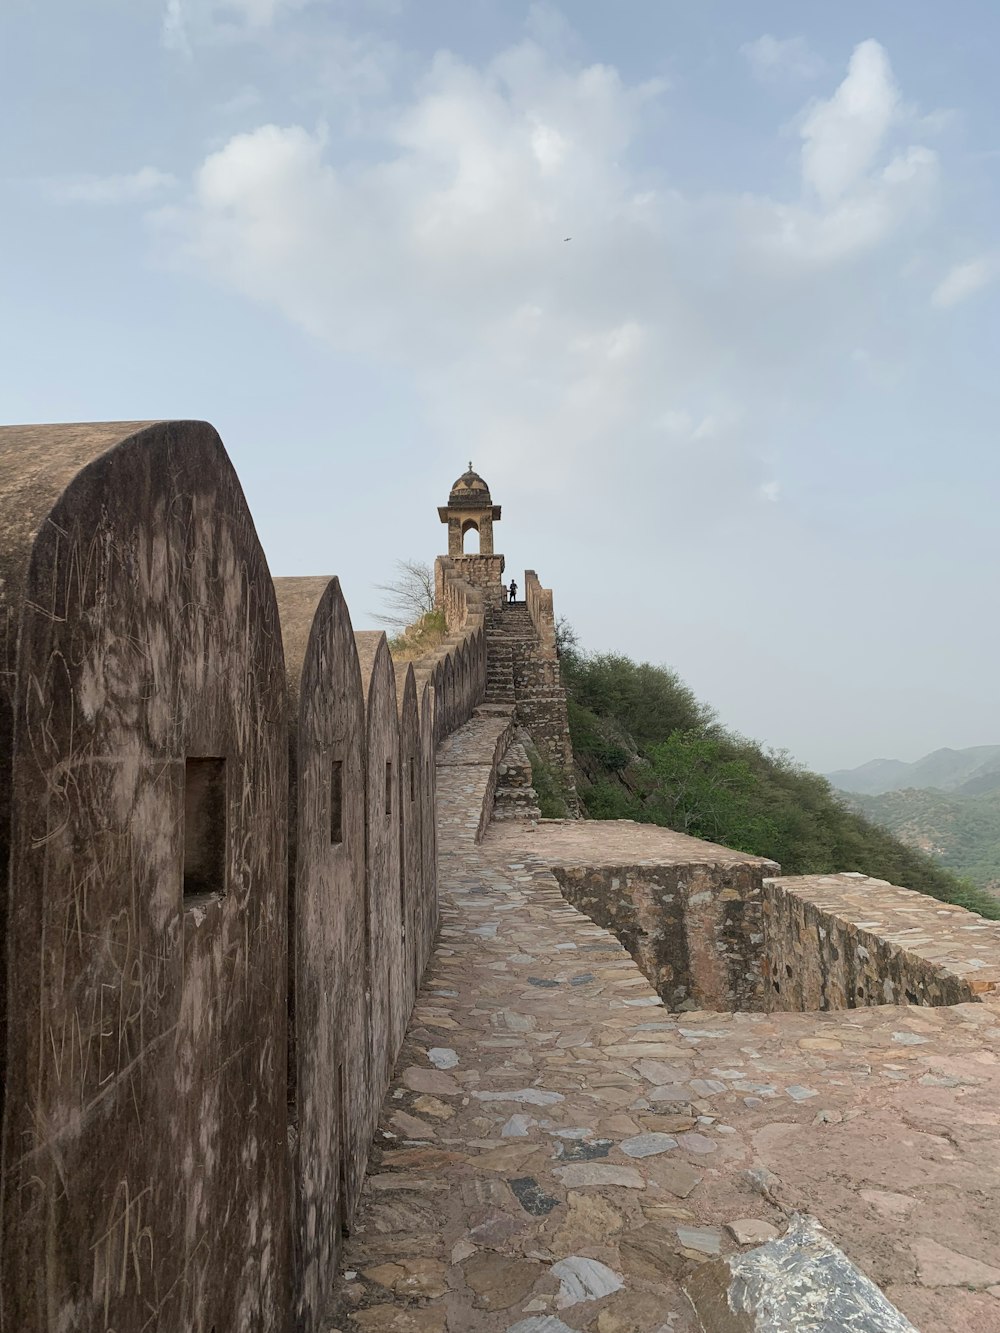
470 465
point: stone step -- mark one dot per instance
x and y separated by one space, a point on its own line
515 797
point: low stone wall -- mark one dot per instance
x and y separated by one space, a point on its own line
846 941
694 928
469 761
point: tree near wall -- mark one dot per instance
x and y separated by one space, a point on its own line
408 597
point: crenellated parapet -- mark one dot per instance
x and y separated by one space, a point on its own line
220 812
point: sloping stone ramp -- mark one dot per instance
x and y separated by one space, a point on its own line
558 1152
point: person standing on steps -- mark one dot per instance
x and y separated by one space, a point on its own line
513 592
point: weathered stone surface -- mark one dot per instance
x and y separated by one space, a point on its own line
504 921
383 902
412 1127
590 1220
431 1081
597 1173
843 941
706 1240
410 1277
692 930
696 1143
647 1145
533 1096
799 1281
416 878
532 1197
400 1319
517 1126
500 1282
583 1279
431 1106
939 1266
679 1178
327 963
633 1312
751 1230
650 1252
144 1047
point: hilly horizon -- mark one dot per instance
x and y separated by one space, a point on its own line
968 772
946 804
645 748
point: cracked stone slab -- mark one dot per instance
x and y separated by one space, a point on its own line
799 1283
597 1173
533 1096
582 1279
442 1057
647 1145
547 1323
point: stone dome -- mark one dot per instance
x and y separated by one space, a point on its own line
470 491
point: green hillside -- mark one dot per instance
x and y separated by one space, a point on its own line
647 749
961 831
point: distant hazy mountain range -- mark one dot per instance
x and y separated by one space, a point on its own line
947 804
966 772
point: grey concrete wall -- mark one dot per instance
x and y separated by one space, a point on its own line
383 914
328 1035
144 1170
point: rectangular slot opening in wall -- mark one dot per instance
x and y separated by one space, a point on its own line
337 802
413 781
205 819
388 789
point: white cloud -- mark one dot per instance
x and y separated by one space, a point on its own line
186 23
771 58
844 135
137 187
964 280
671 320
240 103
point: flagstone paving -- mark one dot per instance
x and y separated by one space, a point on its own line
557 1151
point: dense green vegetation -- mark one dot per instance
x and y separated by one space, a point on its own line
647 749
962 831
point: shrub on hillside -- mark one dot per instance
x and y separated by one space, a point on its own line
648 750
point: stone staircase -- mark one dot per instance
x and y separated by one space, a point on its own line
505 626
515 797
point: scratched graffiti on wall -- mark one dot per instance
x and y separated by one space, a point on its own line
205 999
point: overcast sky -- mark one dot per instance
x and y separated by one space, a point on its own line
743 422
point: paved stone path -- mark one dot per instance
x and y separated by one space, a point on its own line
557 1151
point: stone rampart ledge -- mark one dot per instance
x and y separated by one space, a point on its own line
469 759
689 912
798 1283
846 940
613 842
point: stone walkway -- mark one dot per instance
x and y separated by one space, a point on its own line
557 1151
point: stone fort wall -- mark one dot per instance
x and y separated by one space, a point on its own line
218 832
